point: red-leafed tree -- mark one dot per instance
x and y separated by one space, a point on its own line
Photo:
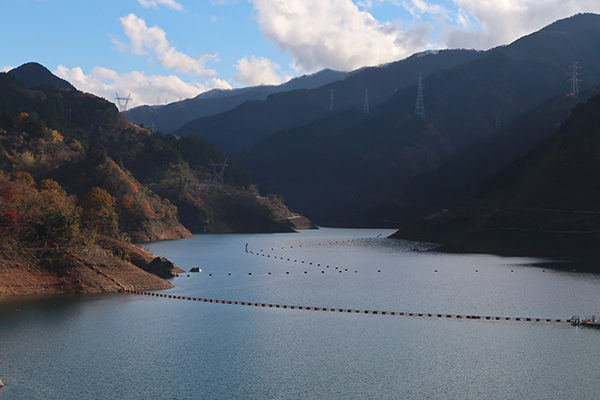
11 217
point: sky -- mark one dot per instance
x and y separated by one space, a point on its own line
160 51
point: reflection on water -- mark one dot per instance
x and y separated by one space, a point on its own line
127 346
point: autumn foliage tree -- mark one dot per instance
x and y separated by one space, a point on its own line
98 212
59 214
33 214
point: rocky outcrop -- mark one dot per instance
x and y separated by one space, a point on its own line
49 270
162 268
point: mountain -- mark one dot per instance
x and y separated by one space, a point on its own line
170 117
461 174
336 168
545 203
242 128
34 74
160 184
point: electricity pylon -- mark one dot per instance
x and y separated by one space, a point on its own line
218 173
574 78
420 104
123 106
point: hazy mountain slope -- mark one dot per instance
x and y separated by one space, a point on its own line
33 74
463 172
242 128
546 203
172 116
381 152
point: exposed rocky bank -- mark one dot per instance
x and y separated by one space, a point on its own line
51 269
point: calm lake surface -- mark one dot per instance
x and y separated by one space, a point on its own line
125 346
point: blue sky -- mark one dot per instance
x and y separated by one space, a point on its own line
166 50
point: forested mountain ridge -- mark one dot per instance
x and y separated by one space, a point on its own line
82 141
242 128
544 203
170 117
349 163
77 178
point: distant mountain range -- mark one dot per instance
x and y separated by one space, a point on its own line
502 161
241 129
350 151
168 118
336 168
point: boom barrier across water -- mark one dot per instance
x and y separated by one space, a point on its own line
310 308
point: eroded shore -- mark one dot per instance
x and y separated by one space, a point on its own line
54 269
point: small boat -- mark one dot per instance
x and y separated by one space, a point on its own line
591 322
575 320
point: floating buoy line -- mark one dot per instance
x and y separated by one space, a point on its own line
307 308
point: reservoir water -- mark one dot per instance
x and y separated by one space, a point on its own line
126 346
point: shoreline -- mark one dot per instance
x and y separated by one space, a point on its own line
109 267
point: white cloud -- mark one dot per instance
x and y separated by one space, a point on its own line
335 34
6 68
144 89
422 7
154 3
344 35
257 71
144 39
485 24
